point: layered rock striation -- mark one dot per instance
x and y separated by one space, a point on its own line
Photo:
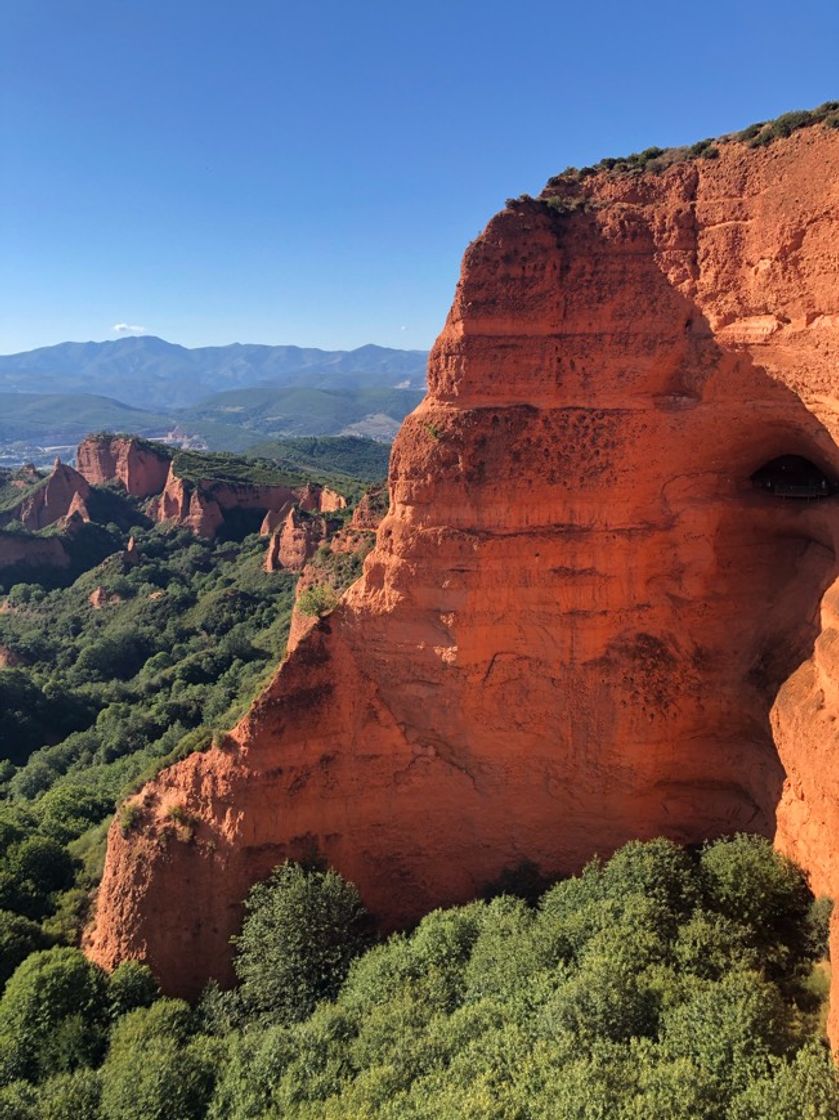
203 505
582 622
141 466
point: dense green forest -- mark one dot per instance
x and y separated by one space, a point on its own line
667 983
663 984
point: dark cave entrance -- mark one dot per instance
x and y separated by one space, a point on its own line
793 476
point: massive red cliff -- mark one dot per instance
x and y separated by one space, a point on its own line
139 465
581 622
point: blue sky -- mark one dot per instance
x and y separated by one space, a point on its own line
310 173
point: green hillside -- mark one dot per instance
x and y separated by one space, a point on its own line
366 459
300 410
65 418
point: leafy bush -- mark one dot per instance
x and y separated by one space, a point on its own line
131 985
52 1015
301 931
317 601
18 938
154 1069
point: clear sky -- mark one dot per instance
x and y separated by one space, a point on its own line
267 171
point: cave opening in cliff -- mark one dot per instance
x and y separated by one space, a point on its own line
793 476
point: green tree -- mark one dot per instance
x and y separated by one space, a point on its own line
68 810
52 1015
730 1028
19 1101
18 938
131 985
154 1069
749 883
70 1096
806 1088
302 929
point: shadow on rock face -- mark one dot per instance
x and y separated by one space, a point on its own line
579 610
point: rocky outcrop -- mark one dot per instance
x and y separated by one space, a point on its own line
54 499
32 552
294 541
141 466
202 505
371 508
9 659
77 512
579 612
274 519
99 598
330 501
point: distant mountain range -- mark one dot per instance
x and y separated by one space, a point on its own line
230 396
150 373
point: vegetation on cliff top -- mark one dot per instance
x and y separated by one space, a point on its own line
659 159
662 984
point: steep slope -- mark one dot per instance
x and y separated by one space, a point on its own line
140 465
580 609
37 500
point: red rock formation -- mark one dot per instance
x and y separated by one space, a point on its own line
579 610
331 501
273 519
201 505
140 466
55 499
294 541
78 510
35 552
99 598
370 510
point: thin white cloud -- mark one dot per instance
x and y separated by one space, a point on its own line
128 328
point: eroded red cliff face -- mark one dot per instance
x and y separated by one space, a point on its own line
61 495
34 552
202 505
579 611
140 466
294 540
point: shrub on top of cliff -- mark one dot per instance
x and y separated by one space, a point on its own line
317 601
224 467
560 205
302 929
765 132
163 450
130 816
659 159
